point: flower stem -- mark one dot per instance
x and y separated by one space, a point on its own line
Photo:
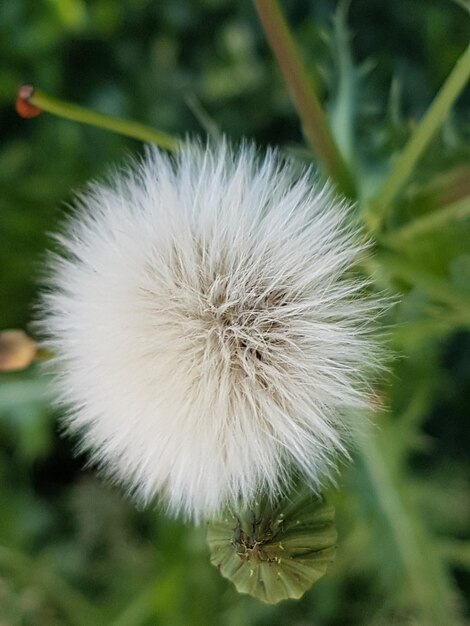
434 286
41 101
429 583
300 86
73 606
419 140
457 211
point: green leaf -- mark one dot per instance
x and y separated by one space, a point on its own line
342 110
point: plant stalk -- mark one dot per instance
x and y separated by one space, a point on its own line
434 286
299 84
455 212
41 101
424 132
429 583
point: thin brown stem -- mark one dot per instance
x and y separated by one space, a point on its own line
300 86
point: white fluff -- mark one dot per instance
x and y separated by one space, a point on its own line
208 343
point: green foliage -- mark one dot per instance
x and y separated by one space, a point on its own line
74 550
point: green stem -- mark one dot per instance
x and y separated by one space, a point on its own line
434 286
300 86
117 125
432 221
429 583
419 140
76 608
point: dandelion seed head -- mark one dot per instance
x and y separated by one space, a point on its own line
211 341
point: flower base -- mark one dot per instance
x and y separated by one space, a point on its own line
275 550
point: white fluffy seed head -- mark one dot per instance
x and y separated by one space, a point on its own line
209 344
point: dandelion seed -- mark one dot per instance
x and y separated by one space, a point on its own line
209 345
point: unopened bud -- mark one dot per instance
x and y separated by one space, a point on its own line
17 350
277 549
23 106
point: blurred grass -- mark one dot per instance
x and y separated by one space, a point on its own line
147 60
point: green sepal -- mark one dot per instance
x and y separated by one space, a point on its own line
275 550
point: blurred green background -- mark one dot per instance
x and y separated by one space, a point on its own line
74 550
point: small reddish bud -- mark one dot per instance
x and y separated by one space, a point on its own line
23 106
